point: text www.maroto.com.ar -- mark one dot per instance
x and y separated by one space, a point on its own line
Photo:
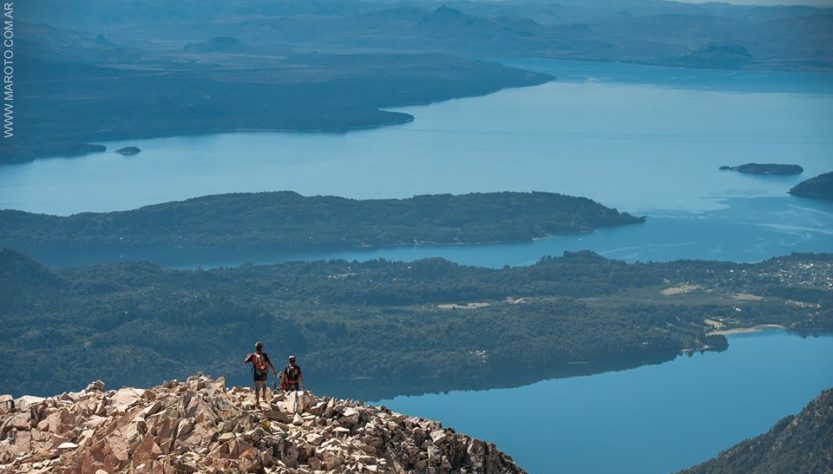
8 69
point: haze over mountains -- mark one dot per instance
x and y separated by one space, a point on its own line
146 69
796 37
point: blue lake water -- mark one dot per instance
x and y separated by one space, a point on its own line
647 140
653 419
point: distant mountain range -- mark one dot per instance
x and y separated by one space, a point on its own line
713 35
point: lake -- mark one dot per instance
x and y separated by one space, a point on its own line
652 419
648 140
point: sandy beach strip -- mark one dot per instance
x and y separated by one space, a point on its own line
758 328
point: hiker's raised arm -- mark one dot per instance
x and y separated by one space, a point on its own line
247 359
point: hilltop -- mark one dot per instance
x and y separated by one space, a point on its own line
797 443
201 426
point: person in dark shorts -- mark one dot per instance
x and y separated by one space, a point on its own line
260 369
292 379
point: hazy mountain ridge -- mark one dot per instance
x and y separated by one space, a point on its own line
778 37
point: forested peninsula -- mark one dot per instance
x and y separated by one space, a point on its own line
304 93
819 187
378 328
289 222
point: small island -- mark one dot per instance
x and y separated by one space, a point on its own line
129 151
771 169
218 44
820 187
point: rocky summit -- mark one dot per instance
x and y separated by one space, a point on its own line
201 426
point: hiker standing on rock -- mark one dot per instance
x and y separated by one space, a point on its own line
260 368
292 379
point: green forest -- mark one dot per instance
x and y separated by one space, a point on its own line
424 325
288 222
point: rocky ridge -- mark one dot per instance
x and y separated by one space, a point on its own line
201 426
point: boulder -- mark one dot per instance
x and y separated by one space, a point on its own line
25 402
124 398
58 422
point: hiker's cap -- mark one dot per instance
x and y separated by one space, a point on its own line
258 345
292 358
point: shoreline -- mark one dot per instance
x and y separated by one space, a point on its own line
746 330
387 116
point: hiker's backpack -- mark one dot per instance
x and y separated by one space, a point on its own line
259 361
291 374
